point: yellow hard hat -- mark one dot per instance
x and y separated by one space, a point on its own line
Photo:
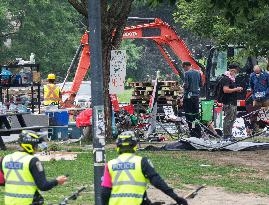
51 76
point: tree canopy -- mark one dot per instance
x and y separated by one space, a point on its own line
239 22
51 29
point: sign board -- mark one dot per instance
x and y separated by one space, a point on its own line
263 114
239 128
118 64
169 112
99 121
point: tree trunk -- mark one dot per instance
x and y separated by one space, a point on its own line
114 19
117 18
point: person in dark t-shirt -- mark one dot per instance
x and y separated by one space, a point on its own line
229 92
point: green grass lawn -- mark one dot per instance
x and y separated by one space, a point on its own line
125 96
177 168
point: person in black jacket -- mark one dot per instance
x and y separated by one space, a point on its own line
18 162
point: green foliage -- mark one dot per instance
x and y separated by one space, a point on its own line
157 2
134 53
50 29
228 22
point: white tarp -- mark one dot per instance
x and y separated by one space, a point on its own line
117 71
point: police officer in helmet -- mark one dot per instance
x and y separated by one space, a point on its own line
24 174
126 177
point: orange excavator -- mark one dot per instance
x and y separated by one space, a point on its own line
160 32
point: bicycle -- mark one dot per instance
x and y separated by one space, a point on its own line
73 196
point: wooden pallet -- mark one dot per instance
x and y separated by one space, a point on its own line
140 84
169 93
141 97
139 101
168 83
144 88
141 92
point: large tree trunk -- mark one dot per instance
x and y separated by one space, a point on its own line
115 22
114 19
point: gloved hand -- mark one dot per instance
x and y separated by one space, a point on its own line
181 201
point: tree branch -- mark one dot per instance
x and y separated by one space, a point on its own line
7 34
81 7
120 21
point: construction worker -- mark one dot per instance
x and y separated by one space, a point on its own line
24 174
126 177
52 95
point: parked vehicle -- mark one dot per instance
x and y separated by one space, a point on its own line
83 96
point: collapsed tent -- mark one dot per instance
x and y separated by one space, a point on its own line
194 143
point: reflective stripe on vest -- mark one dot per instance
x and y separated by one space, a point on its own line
20 186
51 94
23 196
128 182
131 180
128 195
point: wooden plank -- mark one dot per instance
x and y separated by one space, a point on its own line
139 101
143 88
168 93
168 83
141 93
140 84
140 97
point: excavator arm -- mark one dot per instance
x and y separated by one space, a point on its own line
163 35
160 32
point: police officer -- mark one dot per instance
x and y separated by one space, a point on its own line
24 174
52 95
126 177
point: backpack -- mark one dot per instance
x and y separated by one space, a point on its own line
217 92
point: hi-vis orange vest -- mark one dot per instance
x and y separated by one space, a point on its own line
51 94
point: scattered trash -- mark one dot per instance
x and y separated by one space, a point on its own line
51 156
205 165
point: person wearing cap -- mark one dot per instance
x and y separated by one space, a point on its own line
23 175
228 93
126 177
52 94
192 84
259 84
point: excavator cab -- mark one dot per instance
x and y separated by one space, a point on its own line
218 60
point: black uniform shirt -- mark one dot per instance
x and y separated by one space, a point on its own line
154 178
228 98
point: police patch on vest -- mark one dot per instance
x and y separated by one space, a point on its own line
123 166
14 165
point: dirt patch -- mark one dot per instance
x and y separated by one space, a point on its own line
211 196
258 160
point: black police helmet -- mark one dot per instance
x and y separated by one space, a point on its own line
29 140
126 142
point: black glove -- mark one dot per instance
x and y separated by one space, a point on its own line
181 201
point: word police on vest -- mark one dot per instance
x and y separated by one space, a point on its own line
123 166
14 165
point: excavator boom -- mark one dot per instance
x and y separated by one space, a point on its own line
157 30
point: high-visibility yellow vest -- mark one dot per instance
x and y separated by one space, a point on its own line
128 182
51 94
20 186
